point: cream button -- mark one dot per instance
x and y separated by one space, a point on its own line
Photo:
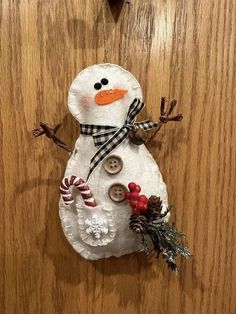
113 164
117 192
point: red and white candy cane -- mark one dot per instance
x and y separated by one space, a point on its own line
81 186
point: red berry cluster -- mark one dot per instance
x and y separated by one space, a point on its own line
139 203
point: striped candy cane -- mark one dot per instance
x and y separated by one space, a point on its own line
81 186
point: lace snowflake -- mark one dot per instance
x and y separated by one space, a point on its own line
97 226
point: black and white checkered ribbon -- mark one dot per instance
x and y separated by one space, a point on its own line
107 138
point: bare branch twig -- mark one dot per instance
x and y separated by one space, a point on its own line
44 129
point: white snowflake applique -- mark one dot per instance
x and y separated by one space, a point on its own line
97 226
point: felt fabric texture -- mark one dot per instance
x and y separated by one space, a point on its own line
138 165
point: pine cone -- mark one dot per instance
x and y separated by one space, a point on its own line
138 224
155 203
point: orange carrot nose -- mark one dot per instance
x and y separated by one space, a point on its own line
105 97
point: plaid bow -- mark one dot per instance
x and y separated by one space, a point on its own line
111 137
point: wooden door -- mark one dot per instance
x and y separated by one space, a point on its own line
181 49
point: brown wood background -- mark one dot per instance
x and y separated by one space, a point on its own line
182 49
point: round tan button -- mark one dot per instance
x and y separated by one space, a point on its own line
117 192
113 164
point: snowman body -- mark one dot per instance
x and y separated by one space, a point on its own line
114 237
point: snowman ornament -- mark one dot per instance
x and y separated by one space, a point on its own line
112 185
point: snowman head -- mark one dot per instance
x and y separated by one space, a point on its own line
101 94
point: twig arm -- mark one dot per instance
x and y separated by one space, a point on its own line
44 129
165 116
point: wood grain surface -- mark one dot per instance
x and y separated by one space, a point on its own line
181 49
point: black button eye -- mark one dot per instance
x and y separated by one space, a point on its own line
104 81
97 85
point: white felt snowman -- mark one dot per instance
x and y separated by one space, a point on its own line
105 99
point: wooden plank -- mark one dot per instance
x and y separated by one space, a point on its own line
181 49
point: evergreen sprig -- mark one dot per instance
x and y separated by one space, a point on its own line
164 236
